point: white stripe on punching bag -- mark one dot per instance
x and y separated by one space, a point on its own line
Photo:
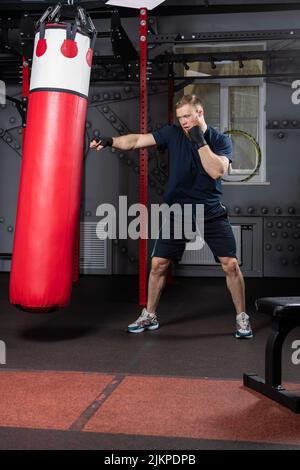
53 70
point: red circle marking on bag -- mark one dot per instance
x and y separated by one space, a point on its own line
89 57
69 48
41 47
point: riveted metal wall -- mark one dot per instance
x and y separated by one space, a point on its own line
114 110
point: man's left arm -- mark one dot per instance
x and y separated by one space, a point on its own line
215 165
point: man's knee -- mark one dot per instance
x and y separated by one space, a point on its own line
230 266
160 266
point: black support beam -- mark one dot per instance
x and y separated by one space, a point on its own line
223 36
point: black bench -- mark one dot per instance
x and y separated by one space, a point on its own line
285 312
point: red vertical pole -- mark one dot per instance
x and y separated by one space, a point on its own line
170 122
143 156
170 97
170 100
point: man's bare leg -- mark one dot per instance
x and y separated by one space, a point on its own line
157 281
236 286
235 282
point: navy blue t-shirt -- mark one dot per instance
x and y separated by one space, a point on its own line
189 183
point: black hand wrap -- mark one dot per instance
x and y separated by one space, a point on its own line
197 136
104 141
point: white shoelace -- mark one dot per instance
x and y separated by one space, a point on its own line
243 321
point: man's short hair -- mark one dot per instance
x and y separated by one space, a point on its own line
192 100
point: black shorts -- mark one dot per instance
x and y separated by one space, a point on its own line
218 235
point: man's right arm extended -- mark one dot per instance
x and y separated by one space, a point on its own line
124 142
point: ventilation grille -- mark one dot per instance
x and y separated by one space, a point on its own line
94 253
204 256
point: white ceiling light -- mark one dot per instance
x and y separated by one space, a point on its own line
149 4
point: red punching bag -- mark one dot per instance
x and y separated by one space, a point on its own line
50 185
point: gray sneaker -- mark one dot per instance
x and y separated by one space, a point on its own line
243 328
144 322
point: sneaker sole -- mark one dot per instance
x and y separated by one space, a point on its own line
243 337
141 330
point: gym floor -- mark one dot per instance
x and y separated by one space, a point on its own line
75 379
